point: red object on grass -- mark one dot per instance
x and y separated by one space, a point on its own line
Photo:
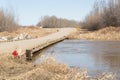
15 53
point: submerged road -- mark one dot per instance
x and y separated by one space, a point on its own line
36 44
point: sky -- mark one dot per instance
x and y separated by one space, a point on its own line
30 12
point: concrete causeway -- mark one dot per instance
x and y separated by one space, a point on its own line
36 44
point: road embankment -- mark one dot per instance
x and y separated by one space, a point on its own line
36 44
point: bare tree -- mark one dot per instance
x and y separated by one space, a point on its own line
54 22
7 21
104 14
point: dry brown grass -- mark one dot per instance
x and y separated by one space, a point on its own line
10 67
49 69
109 33
33 31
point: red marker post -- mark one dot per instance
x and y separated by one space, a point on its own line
15 53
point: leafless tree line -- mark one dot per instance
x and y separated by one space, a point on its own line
104 14
7 21
54 22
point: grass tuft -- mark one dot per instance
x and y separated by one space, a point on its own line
49 69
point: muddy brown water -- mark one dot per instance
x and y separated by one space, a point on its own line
96 56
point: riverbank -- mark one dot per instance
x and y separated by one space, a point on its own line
109 33
48 69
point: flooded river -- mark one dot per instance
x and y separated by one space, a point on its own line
96 56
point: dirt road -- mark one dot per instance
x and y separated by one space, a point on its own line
9 47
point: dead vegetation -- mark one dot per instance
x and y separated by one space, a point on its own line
54 22
7 21
105 13
108 33
35 32
48 69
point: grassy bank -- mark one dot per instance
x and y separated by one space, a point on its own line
48 69
108 33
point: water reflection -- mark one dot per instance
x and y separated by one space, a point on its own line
96 56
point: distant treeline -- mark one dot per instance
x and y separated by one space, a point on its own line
7 21
54 22
105 13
